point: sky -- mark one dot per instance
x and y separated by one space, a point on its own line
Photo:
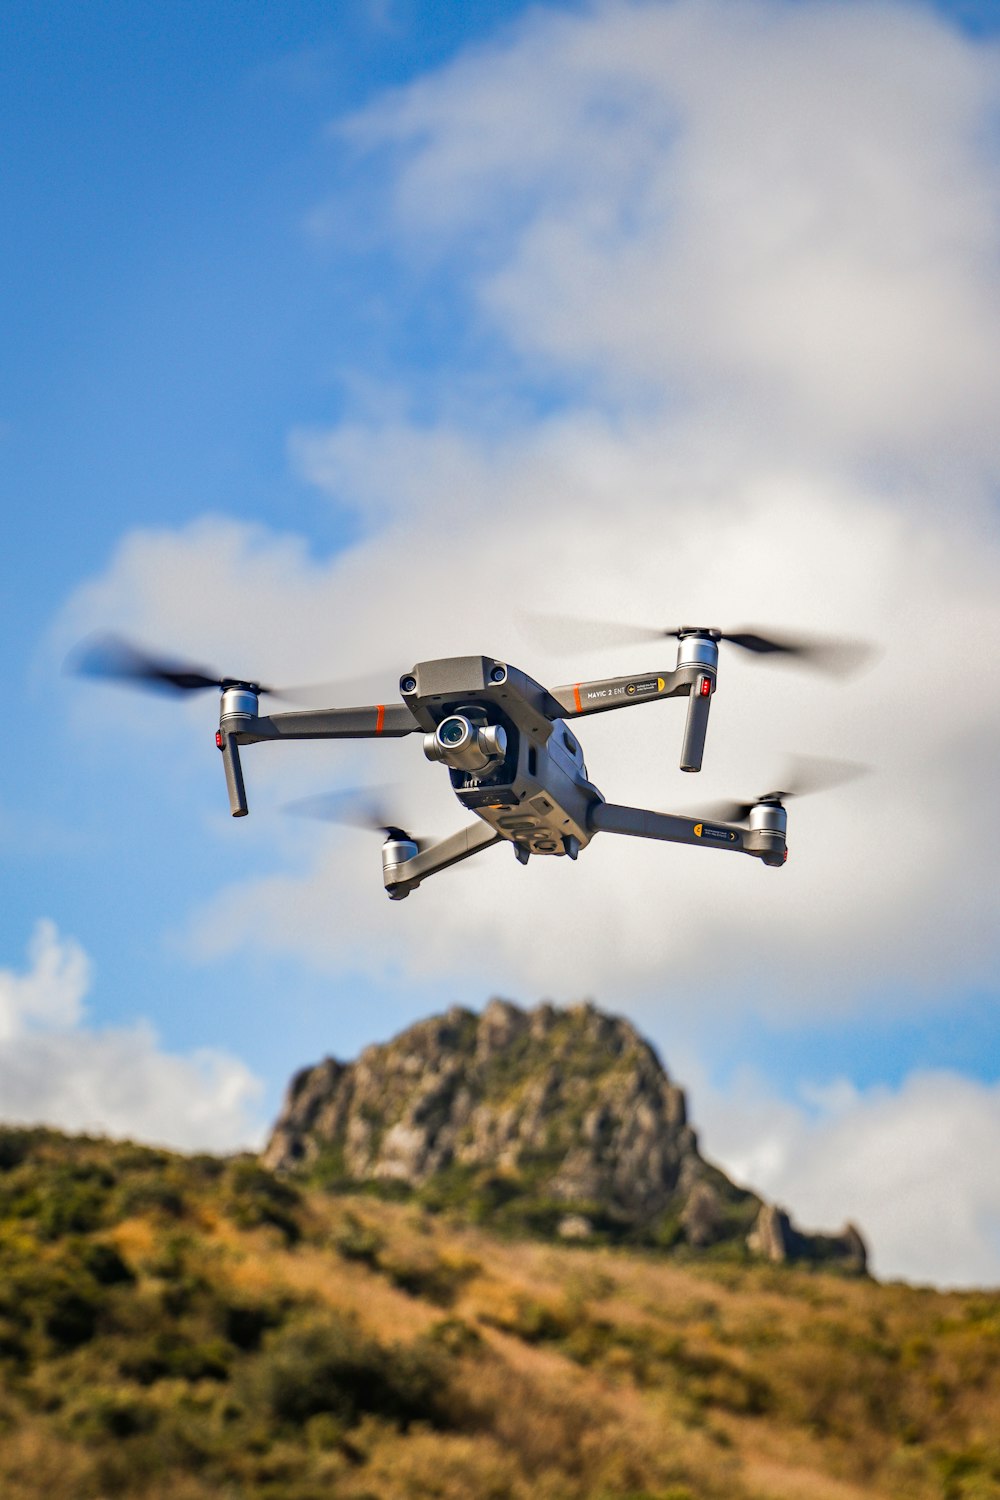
339 337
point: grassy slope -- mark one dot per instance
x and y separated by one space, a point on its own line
192 1328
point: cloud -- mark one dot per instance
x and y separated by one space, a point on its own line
879 890
117 1081
913 1166
785 213
51 992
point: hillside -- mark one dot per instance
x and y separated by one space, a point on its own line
558 1122
195 1328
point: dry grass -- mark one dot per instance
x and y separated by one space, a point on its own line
261 1347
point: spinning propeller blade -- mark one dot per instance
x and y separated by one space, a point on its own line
357 807
804 774
116 659
562 633
836 656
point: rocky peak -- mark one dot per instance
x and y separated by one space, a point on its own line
560 1119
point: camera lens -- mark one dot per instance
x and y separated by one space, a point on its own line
453 731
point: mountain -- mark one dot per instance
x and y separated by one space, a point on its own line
561 1122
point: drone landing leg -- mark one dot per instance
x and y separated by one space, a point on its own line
696 727
234 776
403 878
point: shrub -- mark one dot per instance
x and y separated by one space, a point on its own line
257 1197
172 1356
107 1267
533 1321
56 1298
331 1366
71 1318
151 1196
111 1414
15 1146
432 1277
12 1345
245 1323
72 1199
456 1337
356 1240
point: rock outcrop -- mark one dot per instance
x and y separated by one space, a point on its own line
564 1120
774 1237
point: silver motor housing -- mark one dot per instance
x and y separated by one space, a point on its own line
768 827
396 852
238 708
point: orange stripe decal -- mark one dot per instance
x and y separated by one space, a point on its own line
576 698
380 718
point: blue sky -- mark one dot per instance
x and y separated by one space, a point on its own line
311 304
171 320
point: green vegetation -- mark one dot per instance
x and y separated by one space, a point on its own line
517 1203
198 1328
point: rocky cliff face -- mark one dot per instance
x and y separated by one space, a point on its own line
562 1120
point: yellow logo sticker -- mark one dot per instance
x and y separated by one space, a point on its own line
697 830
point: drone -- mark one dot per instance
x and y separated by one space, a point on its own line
510 755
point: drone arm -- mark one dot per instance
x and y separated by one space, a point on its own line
640 823
696 680
402 878
380 721
579 698
240 724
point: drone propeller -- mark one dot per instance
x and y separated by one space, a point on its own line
838 657
357 807
118 660
805 774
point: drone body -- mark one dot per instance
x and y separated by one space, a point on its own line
511 758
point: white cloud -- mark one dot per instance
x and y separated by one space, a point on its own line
51 992
787 213
56 1070
878 888
913 1166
